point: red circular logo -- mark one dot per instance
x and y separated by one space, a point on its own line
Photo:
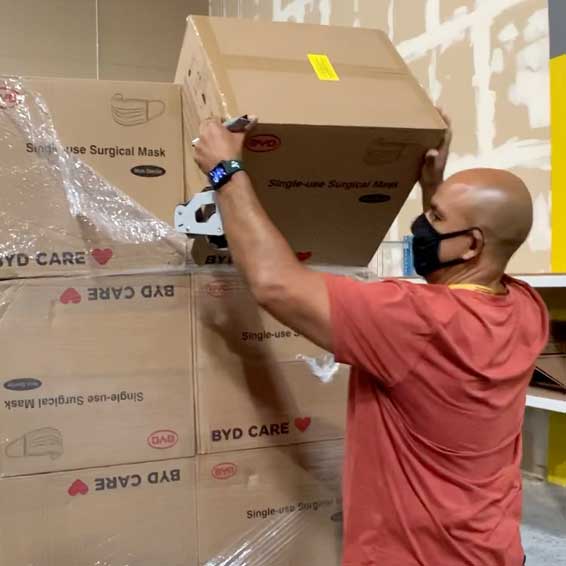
217 288
224 471
263 143
8 97
162 439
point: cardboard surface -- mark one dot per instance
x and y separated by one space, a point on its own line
333 160
550 371
130 134
143 515
38 40
279 506
95 372
141 42
122 125
251 389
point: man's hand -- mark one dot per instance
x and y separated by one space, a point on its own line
432 173
217 143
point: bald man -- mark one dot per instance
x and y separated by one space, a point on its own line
439 371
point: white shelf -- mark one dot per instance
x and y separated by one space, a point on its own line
547 400
547 280
544 280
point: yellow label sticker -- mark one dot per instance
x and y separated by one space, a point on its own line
323 67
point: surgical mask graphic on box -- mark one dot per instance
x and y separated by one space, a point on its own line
39 442
135 111
52 193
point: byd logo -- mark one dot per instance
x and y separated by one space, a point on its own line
263 143
224 471
162 439
8 97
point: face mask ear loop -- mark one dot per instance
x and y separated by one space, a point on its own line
451 235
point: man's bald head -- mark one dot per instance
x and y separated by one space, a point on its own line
496 201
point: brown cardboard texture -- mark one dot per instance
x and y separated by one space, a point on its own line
252 390
59 216
142 514
343 126
279 506
129 132
550 371
95 372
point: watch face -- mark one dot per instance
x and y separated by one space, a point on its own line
217 174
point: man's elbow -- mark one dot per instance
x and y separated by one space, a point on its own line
269 293
272 290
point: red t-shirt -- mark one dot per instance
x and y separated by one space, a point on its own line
436 405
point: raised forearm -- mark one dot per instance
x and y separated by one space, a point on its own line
257 246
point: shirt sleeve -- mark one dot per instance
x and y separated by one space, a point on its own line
378 327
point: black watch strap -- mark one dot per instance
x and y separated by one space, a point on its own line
223 172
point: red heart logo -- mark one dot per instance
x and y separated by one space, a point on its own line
303 256
78 487
302 423
70 295
102 256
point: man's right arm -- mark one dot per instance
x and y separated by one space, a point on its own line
432 174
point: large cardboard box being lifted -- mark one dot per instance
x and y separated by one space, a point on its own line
130 134
143 515
252 388
279 506
343 126
95 372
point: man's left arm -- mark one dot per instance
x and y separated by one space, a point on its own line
292 293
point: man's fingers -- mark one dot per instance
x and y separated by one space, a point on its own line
207 123
447 140
445 116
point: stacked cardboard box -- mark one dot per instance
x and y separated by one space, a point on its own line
67 145
280 504
97 410
137 398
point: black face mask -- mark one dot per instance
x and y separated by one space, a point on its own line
426 246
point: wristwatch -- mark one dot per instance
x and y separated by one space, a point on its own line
223 172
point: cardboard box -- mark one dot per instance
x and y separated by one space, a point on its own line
550 371
343 126
143 515
130 133
279 506
95 372
252 390
61 212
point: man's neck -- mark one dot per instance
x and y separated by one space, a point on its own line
469 275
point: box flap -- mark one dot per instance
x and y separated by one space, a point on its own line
550 372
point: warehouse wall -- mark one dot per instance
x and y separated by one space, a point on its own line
107 39
484 61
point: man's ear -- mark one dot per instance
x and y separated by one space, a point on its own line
477 243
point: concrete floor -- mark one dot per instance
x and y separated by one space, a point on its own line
544 523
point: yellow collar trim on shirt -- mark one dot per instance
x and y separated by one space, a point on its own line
474 287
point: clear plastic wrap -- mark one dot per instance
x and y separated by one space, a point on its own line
57 206
271 507
278 506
